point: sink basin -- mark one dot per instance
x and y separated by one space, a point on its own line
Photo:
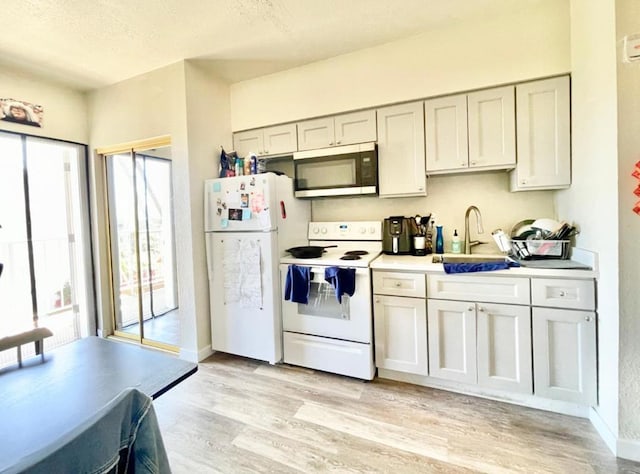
468 258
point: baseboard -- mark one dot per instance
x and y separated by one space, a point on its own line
196 356
608 436
629 449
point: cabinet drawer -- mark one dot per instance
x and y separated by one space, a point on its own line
399 284
573 294
477 288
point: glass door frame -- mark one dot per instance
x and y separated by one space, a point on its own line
79 231
132 148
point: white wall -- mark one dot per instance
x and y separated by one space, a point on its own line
628 22
592 200
65 110
146 106
208 122
531 43
448 199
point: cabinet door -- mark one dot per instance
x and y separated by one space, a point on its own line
492 128
316 133
564 355
452 340
280 140
543 118
446 133
401 166
400 326
249 141
357 127
504 347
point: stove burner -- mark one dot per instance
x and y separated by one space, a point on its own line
349 256
356 252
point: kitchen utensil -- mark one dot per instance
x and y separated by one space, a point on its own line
308 251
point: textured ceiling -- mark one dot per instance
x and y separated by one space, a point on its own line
90 44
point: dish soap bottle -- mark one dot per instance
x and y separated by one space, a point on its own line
456 245
439 240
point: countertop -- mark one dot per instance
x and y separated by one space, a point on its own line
425 264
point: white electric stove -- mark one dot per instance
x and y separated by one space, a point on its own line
327 334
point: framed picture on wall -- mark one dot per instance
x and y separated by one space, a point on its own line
18 111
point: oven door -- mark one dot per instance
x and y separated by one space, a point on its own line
324 315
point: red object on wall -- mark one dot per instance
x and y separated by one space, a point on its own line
636 174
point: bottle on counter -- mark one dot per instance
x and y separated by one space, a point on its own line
456 245
439 240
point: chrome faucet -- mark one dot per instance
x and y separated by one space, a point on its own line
468 243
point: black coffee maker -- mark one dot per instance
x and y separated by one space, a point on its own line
397 235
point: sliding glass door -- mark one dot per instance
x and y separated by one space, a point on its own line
44 245
142 247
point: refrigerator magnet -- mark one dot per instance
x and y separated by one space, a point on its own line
244 200
246 214
216 187
235 214
224 223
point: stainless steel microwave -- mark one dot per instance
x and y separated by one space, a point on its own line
337 171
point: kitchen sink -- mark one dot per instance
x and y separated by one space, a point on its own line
474 258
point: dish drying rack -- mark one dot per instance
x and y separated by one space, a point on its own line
553 245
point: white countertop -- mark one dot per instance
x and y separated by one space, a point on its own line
410 263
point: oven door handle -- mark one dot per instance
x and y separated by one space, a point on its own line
318 272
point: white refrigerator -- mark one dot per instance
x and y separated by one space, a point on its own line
249 223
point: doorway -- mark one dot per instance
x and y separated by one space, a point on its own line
142 243
44 240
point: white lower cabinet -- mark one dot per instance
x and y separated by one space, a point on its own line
452 340
564 355
487 344
400 331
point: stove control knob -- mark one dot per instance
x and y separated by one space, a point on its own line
315 230
363 230
323 230
372 230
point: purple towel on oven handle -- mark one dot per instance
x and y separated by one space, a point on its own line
342 279
296 284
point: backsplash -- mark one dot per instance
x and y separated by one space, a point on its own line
448 198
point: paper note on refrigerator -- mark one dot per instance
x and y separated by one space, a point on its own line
242 272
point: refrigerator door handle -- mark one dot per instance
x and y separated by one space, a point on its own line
283 210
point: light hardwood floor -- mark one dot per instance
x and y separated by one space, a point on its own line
238 415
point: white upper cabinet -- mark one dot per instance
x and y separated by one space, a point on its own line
471 132
401 166
277 140
446 133
492 128
544 135
344 129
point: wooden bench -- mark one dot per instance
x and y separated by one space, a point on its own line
35 335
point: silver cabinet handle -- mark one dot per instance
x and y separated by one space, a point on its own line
266 152
562 293
330 143
398 284
523 181
463 164
481 309
377 300
338 142
588 319
470 308
473 163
